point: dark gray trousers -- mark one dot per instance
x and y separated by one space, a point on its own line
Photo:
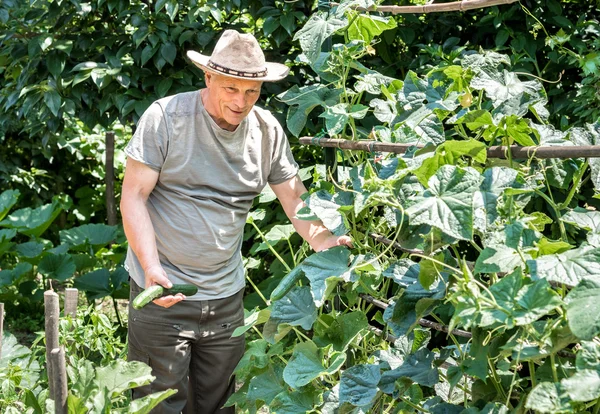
189 348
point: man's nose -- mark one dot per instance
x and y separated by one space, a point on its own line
240 100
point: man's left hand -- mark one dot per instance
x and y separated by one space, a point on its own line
333 241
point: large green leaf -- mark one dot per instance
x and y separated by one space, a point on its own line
367 27
588 356
499 259
569 267
325 269
550 398
314 32
488 61
254 357
293 402
583 309
341 331
509 95
414 300
583 218
8 199
590 135
306 364
57 266
337 116
89 234
120 376
95 284
417 367
450 152
296 308
488 198
279 232
358 384
322 204
583 385
6 235
33 222
518 301
266 386
145 404
30 249
418 101
303 100
448 202
23 368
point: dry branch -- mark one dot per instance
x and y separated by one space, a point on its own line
517 152
395 245
435 8
423 322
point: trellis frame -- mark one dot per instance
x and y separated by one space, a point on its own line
435 8
496 151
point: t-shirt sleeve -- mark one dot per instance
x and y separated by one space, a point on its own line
149 144
283 166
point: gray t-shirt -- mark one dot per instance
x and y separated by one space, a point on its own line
208 178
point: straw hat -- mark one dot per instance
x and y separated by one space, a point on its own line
239 56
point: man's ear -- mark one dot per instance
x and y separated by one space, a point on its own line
207 78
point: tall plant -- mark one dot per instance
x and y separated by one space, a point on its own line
502 253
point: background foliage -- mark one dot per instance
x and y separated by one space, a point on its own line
71 70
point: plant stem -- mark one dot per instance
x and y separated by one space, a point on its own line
301 335
117 311
285 362
561 225
553 363
456 343
262 236
597 407
532 373
413 405
257 290
575 186
496 381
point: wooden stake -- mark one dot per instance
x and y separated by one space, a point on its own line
109 177
51 311
59 380
1 326
71 297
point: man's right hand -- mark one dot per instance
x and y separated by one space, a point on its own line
156 275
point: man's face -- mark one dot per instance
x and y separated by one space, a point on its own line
229 100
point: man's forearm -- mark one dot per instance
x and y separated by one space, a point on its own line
139 230
314 232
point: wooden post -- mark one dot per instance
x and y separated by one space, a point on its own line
71 297
51 311
1 326
109 176
59 380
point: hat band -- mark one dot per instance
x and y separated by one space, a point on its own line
229 71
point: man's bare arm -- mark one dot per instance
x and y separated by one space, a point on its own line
314 232
138 183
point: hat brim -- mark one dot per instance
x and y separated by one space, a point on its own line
275 71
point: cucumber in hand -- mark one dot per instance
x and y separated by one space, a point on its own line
157 291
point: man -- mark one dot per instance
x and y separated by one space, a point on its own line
195 163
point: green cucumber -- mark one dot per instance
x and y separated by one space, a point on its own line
287 283
157 291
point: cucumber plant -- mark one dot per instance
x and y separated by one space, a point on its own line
503 253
